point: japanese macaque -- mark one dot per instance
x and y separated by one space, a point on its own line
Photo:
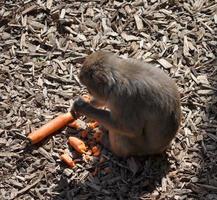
143 105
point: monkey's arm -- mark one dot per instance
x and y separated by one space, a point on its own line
104 117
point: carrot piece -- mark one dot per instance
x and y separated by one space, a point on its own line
50 127
67 159
84 133
93 125
87 157
74 124
96 151
97 136
77 144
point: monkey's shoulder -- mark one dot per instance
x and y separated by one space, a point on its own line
139 66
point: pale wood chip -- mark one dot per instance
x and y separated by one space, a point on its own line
202 79
127 37
186 47
29 9
49 4
165 63
62 14
139 22
62 66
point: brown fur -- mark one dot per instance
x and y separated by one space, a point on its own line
144 104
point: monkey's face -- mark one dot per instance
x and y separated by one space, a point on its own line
96 82
96 75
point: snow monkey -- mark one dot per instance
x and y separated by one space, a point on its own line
143 104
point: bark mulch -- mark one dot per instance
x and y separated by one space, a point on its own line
42 46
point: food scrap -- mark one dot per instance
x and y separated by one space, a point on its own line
96 151
77 144
93 125
84 128
67 159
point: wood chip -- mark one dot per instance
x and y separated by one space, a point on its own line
139 22
186 47
43 45
129 37
49 4
165 63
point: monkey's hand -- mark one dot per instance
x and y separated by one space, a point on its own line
104 117
80 105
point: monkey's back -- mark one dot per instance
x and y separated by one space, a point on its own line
150 103
145 84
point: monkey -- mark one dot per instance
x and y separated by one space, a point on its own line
143 111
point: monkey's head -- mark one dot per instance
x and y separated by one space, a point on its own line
96 75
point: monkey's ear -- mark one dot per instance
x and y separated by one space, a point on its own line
100 78
105 79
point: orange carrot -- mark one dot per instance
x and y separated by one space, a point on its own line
93 125
50 127
96 151
74 124
67 159
84 133
77 144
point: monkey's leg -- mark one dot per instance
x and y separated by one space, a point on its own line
105 137
122 145
105 140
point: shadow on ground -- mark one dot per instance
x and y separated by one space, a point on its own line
114 178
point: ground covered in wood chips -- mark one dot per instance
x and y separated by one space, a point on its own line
42 46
